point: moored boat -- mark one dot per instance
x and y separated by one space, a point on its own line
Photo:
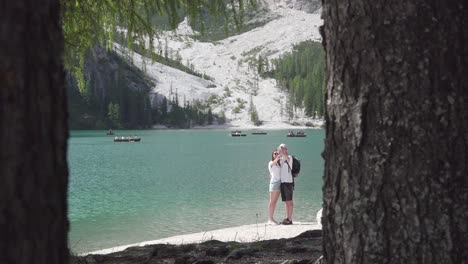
297 134
127 139
259 133
237 133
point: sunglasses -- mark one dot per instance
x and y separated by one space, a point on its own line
276 153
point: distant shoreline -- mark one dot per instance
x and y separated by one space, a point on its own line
237 125
206 128
315 124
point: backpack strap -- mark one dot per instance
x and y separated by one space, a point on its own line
289 167
287 163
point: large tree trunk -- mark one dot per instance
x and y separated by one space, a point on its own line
33 134
396 155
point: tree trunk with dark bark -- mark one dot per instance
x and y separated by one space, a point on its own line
33 134
396 155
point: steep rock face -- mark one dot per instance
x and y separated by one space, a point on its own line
105 70
309 6
109 78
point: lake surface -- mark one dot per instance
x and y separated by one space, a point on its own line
177 182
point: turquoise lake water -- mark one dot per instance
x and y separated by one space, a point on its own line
177 182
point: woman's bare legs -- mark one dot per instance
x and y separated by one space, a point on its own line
271 208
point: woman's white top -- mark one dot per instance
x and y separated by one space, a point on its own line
275 172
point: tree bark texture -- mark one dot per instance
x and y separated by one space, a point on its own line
33 134
396 152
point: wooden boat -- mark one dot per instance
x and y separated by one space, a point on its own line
297 134
127 139
259 133
237 134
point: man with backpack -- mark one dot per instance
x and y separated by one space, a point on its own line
287 182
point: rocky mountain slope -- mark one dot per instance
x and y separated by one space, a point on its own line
231 65
108 78
309 6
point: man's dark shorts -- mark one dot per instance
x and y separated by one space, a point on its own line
287 191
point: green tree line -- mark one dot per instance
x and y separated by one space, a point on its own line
172 114
302 74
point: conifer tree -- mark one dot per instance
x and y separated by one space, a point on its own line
34 170
396 148
163 109
210 117
114 114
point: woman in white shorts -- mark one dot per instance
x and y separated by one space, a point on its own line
275 184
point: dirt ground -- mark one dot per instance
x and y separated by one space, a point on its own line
305 248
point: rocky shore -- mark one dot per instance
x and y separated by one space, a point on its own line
304 248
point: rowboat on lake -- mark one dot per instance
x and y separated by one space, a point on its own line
297 134
127 139
237 133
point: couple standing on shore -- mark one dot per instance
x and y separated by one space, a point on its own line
281 182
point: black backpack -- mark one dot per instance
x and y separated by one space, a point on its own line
296 167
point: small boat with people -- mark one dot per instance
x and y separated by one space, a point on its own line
237 133
127 139
296 134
